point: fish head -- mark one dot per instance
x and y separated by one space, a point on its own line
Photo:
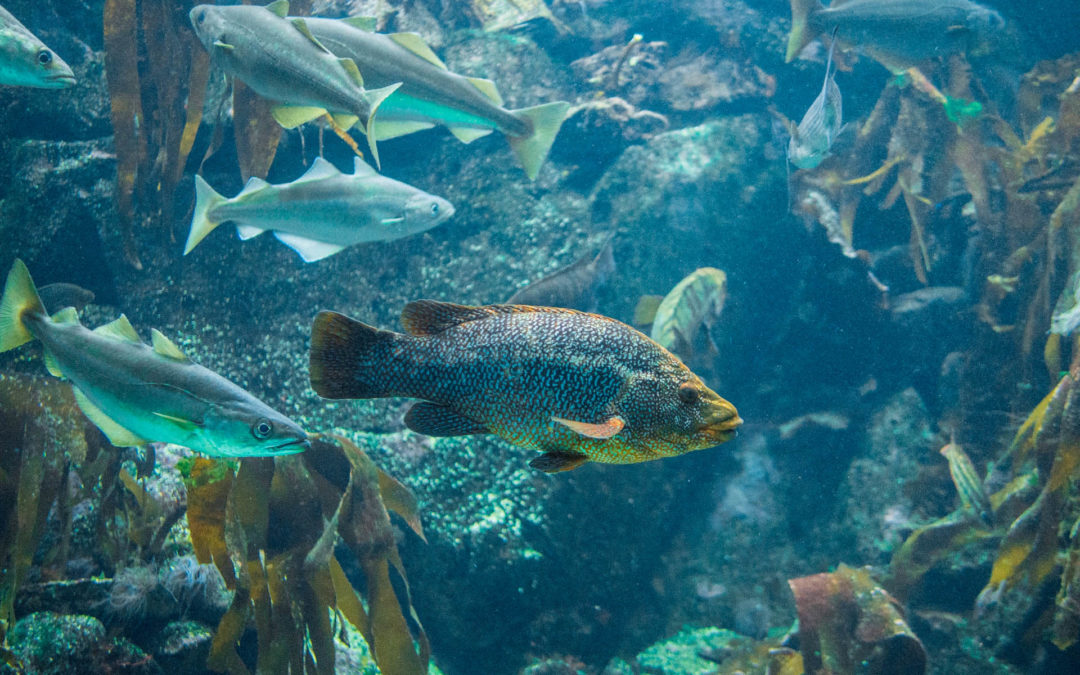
423 212
677 411
250 428
32 64
210 24
804 155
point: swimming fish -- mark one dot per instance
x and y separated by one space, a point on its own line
321 212
136 393
25 61
573 286
576 387
281 61
430 95
968 484
60 295
694 303
898 34
811 140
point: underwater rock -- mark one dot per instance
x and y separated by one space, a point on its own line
925 326
614 119
704 83
682 654
55 644
182 647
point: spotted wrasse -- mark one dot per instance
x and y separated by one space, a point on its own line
576 387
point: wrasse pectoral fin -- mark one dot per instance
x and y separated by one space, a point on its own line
432 419
117 435
602 430
558 460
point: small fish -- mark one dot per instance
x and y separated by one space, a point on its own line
321 212
968 484
898 34
694 303
430 95
25 61
577 387
60 295
573 286
136 393
645 309
282 61
819 127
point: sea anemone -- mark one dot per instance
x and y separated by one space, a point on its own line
130 592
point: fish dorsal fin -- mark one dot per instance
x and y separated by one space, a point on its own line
469 134
354 73
117 435
415 44
301 25
254 184
320 169
364 23
121 329
279 7
385 129
309 249
362 168
488 89
428 317
165 346
292 116
68 315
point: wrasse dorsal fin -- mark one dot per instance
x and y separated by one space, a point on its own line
120 329
415 44
117 435
279 7
364 23
165 346
428 317
320 169
301 25
488 89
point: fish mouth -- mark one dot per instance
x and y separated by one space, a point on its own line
61 80
293 446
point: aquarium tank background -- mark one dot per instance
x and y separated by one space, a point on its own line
603 337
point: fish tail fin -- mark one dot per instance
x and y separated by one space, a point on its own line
206 198
374 99
20 298
801 33
343 353
545 121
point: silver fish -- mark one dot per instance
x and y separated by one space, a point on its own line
321 212
573 286
813 137
25 61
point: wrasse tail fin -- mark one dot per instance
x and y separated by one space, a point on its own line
432 419
801 34
533 149
341 349
20 298
206 198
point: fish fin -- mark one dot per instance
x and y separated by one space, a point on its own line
223 45
117 435
558 460
343 352
432 419
469 134
320 169
292 116
166 347
386 129
246 232
429 317
354 73
254 184
344 121
605 429
309 249
186 425
301 25
645 310
120 329
391 221
66 316
415 44
545 121
20 297
374 98
362 168
364 23
487 88
51 364
206 198
801 32
279 7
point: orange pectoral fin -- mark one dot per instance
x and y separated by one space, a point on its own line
605 429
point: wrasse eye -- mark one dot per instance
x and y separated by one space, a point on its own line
262 429
44 57
688 393
435 209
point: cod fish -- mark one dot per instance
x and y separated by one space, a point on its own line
813 137
25 61
573 286
430 95
281 61
135 393
694 303
576 387
898 34
321 212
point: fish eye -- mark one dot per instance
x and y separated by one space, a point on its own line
44 57
435 208
688 393
201 16
262 429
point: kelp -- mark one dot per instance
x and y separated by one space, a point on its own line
157 73
288 581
